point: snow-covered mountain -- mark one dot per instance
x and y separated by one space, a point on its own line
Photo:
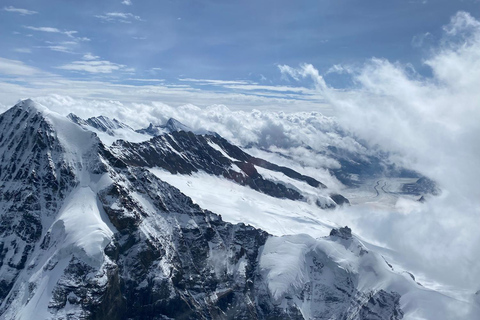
171 125
89 231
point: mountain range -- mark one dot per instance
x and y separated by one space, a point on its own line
100 221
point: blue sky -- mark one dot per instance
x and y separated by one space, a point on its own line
178 45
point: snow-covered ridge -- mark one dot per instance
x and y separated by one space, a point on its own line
90 235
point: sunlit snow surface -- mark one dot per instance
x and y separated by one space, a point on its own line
80 229
236 203
303 226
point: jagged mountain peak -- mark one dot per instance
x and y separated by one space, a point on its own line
101 123
175 125
105 123
29 104
171 125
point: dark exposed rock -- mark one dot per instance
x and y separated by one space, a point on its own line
172 125
344 233
422 186
185 153
339 199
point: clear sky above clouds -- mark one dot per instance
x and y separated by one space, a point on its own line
207 52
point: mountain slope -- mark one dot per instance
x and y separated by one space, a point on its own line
182 152
85 235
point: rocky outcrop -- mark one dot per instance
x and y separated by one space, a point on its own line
185 153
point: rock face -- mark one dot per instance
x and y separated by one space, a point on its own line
421 187
100 123
185 152
88 233
35 178
172 125
177 149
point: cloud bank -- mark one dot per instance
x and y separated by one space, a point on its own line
432 123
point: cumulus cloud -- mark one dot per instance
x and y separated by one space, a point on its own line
431 123
23 12
124 17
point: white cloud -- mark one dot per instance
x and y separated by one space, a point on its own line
214 82
89 56
44 29
23 50
432 125
461 23
127 2
339 69
119 17
16 68
95 66
146 80
23 12
69 33
419 40
284 89
288 71
57 48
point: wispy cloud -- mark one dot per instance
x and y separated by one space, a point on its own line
135 90
119 17
16 68
23 50
288 71
23 12
57 48
70 33
44 29
420 39
255 87
89 56
214 82
154 71
95 66
146 80
339 69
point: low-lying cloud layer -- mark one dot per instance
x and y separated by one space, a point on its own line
433 123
